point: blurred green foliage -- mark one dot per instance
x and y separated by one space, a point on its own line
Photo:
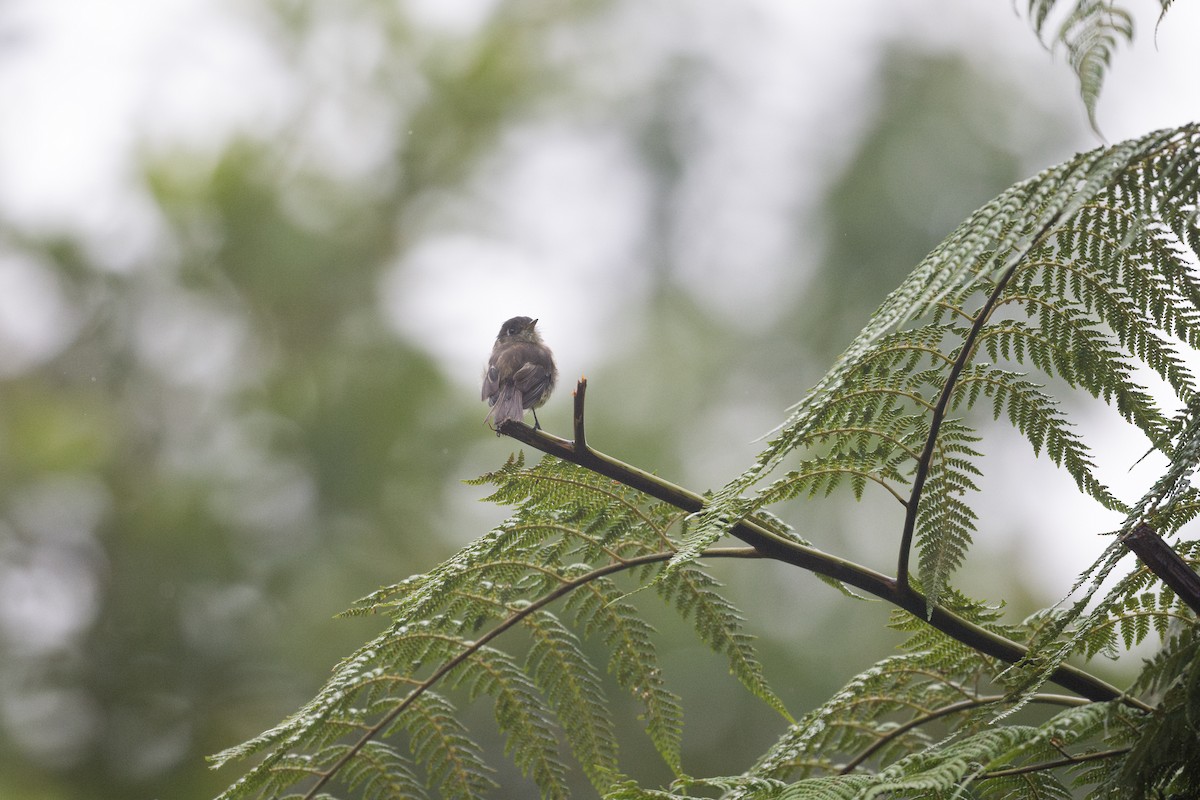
234 442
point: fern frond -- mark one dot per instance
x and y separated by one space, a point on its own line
525 720
1137 606
1037 417
719 625
977 760
858 717
1091 33
378 771
601 609
571 535
894 713
441 743
945 522
1133 291
1090 626
565 675
842 787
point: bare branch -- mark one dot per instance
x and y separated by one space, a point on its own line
780 548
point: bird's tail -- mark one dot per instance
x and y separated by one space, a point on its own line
507 406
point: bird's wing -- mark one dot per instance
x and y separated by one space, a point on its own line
531 381
491 384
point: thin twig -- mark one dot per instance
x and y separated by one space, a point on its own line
945 711
1060 762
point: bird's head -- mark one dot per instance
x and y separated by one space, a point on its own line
519 329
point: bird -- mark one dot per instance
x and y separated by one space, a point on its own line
520 374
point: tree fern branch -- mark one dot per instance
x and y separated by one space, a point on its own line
770 544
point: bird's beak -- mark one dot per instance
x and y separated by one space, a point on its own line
532 324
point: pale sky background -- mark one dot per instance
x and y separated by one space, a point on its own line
89 88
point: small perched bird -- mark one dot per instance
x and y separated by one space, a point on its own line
520 373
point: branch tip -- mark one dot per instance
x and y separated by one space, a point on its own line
1161 559
580 434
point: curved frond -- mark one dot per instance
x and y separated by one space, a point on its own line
564 674
572 535
694 593
1091 31
441 743
600 609
522 714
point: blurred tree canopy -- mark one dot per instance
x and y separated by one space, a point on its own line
227 429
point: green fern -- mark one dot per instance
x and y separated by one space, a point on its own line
924 718
1091 33
1137 602
1084 277
573 533
557 662
1052 247
1162 750
600 610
